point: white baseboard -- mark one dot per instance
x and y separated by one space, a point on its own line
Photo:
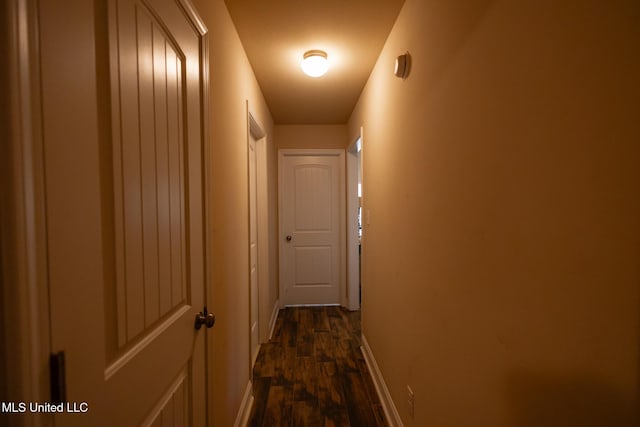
242 419
274 317
390 411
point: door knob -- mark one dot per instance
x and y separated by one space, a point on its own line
289 238
205 318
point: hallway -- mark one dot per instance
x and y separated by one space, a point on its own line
312 372
500 212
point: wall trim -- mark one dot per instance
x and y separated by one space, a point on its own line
242 419
24 281
274 317
390 411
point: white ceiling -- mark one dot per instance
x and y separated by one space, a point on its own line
276 33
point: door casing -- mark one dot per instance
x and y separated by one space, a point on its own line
256 278
23 255
354 162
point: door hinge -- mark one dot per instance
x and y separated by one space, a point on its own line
58 378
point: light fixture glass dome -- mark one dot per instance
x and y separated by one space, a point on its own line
314 63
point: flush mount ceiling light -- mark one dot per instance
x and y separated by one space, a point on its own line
314 63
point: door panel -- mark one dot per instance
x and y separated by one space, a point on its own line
313 265
149 160
125 214
172 409
311 203
314 198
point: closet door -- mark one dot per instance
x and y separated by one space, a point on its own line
122 115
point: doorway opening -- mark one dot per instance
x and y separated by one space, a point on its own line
258 279
354 222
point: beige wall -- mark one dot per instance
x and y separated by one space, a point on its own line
500 270
232 83
311 136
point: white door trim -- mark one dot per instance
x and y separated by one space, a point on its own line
353 258
282 153
207 174
23 256
256 130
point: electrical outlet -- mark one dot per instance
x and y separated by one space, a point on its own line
411 401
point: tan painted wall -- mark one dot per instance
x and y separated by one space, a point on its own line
311 136
232 83
500 270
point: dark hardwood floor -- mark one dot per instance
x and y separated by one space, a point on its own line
312 372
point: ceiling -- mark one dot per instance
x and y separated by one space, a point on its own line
276 33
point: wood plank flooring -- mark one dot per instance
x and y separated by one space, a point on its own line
312 373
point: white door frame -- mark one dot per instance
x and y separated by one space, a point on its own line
255 129
282 153
353 257
23 257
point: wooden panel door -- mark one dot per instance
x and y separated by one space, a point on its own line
124 182
312 230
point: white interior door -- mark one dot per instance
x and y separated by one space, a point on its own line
253 249
124 183
311 226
